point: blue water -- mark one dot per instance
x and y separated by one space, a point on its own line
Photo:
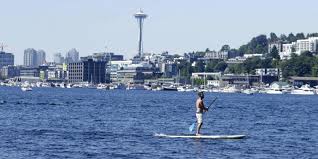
87 123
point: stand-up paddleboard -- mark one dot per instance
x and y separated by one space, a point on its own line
202 136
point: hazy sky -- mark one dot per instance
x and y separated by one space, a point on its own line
176 26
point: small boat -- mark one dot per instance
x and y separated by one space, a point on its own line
169 88
69 85
303 90
181 89
101 86
247 91
231 89
275 88
26 88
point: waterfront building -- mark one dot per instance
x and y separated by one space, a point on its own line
206 75
29 72
6 59
51 74
135 73
299 81
30 57
242 79
214 83
54 73
87 71
9 72
116 66
72 56
75 72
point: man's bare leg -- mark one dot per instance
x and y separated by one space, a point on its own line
199 128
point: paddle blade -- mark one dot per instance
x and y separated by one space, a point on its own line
191 127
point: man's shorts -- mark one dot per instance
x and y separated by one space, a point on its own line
199 117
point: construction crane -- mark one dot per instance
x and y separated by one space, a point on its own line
2 46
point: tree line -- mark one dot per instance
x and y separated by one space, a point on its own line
305 64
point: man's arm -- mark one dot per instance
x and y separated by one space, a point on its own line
203 107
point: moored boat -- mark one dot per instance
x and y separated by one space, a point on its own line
303 90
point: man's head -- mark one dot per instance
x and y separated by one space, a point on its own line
201 95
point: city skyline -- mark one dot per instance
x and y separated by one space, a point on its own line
177 27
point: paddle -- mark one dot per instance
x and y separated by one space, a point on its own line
193 125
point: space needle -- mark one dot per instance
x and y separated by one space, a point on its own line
140 16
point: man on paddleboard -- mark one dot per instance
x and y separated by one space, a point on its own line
200 108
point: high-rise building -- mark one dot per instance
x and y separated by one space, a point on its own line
40 57
30 57
58 58
140 16
72 56
6 59
33 58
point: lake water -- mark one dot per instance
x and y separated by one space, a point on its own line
88 123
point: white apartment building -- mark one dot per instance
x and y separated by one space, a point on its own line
267 71
216 55
287 49
310 44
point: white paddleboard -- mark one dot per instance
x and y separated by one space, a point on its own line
202 136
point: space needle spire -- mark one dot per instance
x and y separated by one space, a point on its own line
140 16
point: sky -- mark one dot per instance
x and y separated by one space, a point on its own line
176 26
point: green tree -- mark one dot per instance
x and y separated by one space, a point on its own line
251 64
300 36
225 48
273 37
199 66
283 37
243 49
235 68
185 69
314 71
198 81
265 63
210 65
302 65
275 63
312 35
274 53
220 67
291 38
200 53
